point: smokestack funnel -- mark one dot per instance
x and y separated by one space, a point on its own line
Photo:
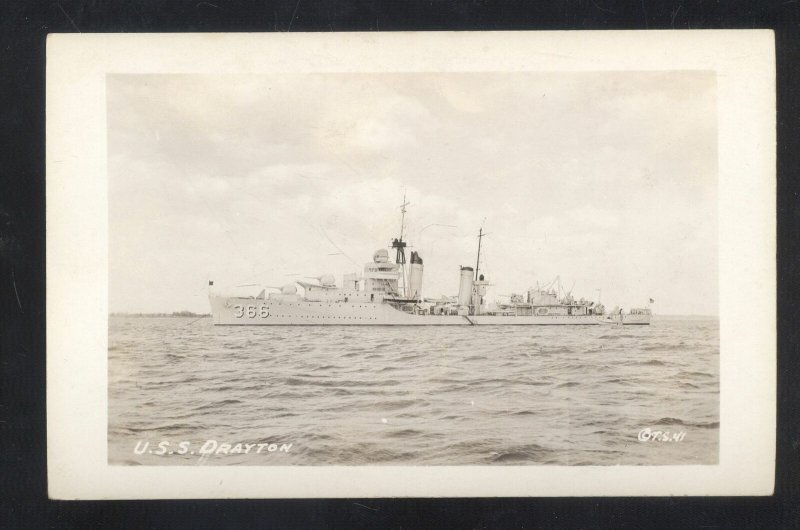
465 286
415 277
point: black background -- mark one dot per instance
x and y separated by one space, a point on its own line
23 487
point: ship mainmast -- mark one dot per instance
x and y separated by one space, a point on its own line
481 235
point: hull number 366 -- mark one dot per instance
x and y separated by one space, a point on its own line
250 311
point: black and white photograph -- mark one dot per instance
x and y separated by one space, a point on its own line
383 261
420 269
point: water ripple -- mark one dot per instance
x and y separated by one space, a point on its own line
421 396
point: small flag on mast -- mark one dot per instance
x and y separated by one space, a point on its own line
652 301
210 282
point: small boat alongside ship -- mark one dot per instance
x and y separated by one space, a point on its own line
390 294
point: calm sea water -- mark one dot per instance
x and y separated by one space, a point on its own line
513 395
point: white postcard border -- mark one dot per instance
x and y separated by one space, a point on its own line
77 253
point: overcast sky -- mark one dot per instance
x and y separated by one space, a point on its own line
608 180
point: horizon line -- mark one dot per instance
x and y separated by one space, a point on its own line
192 313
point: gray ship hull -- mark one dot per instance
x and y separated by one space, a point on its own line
232 311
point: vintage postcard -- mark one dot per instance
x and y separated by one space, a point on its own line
411 264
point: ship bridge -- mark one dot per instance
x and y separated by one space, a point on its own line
381 276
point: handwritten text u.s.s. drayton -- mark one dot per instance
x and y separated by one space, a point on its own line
207 447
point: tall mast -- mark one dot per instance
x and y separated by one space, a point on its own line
400 245
478 262
403 215
481 235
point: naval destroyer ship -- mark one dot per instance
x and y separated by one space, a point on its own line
390 294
